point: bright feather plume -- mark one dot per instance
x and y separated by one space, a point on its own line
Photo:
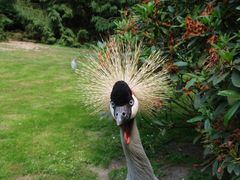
101 69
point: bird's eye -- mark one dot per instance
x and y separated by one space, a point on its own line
112 104
131 102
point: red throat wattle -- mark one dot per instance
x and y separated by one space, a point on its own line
126 128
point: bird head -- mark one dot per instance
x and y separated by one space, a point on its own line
123 103
116 75
123 107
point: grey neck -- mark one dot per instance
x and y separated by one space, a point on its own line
138 164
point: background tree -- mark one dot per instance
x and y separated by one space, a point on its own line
201 42
65 22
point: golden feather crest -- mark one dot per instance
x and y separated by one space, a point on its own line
100 69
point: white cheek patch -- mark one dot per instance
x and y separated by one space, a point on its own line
134 107
112 111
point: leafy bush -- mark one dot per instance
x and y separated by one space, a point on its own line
202 43
4 21
37 24
82 35
68 38
57 14
105 12
49 21
5 9
2 34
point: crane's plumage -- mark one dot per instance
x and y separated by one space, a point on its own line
100 70
114 80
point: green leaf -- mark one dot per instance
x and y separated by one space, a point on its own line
231 112
236 61
163 132
170 9
164 30
192 43
207 125
230 168
220 109
180 19
237 170
158 123
197 101
236 78
237 67
180 63
196 139
226 55
195 119
190 83
219 78
214 167
205 20
229 93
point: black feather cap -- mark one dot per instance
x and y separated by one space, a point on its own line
121 93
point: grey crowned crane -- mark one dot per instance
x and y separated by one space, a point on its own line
124 107
112 80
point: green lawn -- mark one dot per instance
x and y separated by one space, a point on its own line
46 134
44 131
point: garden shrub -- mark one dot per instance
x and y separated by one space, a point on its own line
82 35
6 11
2 34
201 41
58 13
49 21
4 21
37 24
105 12
68 38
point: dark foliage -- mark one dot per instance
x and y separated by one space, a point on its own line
202 42
6 11
66 22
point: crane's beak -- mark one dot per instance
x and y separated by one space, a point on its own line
122 114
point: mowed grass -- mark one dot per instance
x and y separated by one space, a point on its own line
44 131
